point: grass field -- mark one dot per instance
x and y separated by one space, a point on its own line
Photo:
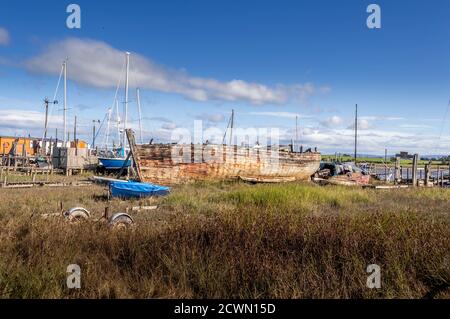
230 240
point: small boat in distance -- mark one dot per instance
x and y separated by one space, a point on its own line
114 163
117 158
114 160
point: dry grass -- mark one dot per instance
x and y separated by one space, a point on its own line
19 177
230 240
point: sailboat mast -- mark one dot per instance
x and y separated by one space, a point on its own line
107 128
46 121
296 130
118 121
231 126
125 123
65 103
356 130
138 98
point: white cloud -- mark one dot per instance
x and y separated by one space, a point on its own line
363 124
370 141
414 126
289 115
17 122
4 36
169 126
98 64
381 118
212 118
332 121
24 119
158 119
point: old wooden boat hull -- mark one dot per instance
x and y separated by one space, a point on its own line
344 180
252 179
175 163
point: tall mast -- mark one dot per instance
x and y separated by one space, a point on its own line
296 130
231 126
46 120
356 130
65 103
140 115
118 120
75 130
127 54
107 128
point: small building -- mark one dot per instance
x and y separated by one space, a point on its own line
20 146
404 155
71 158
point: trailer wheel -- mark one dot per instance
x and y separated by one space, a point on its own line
120 221
76 214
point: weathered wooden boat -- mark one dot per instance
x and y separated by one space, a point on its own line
257 179
178 163
346 174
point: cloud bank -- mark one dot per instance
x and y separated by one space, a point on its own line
98 64
289 115
332 121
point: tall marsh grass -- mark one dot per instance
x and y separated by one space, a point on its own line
230 240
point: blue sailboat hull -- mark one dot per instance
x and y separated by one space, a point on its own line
136 190
114 163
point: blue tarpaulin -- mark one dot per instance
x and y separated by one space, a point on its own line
137 190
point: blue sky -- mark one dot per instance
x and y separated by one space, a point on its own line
268 60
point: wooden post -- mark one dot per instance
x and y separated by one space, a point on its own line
438 175
356 131
414 169
427 174
124 165
448 174
106 214
132 144
401 172
385 166
397 175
